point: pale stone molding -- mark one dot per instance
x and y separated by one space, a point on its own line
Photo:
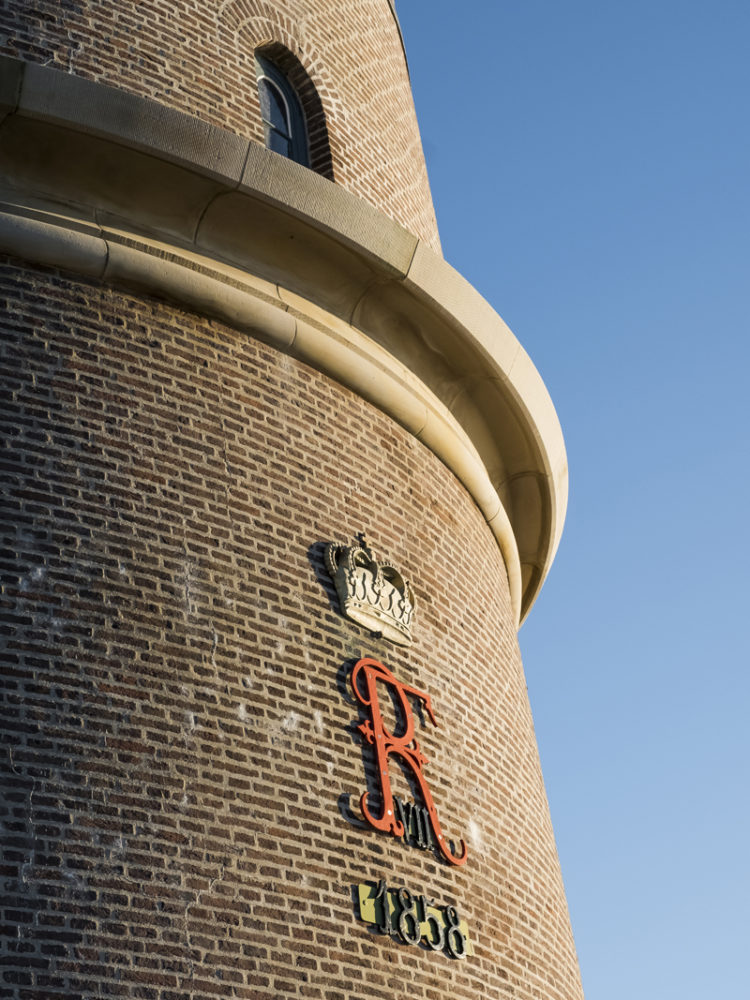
116 187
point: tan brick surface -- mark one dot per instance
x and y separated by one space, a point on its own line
197 56
180 757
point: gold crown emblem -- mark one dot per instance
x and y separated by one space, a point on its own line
372 594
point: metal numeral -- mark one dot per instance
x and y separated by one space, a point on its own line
435 937
384 924
408 915
454 937
415 919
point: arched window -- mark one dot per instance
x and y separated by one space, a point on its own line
283 121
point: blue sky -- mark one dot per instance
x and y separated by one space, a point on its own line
590 167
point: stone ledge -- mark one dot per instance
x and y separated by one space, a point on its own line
89 167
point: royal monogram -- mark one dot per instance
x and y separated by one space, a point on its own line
393 814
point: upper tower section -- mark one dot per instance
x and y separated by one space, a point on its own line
219 60
259 162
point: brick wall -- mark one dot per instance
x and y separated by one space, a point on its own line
180 762
197 56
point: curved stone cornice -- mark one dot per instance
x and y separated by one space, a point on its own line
119 188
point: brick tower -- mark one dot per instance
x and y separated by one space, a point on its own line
278 488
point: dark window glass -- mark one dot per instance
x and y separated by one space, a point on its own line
278 143
280 109
273 107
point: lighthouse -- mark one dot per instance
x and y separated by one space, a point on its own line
279 488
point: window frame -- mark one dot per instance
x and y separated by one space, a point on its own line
266 71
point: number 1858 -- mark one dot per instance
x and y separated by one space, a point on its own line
414 918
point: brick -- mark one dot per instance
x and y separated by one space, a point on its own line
184 752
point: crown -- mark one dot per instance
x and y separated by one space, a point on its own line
372 594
